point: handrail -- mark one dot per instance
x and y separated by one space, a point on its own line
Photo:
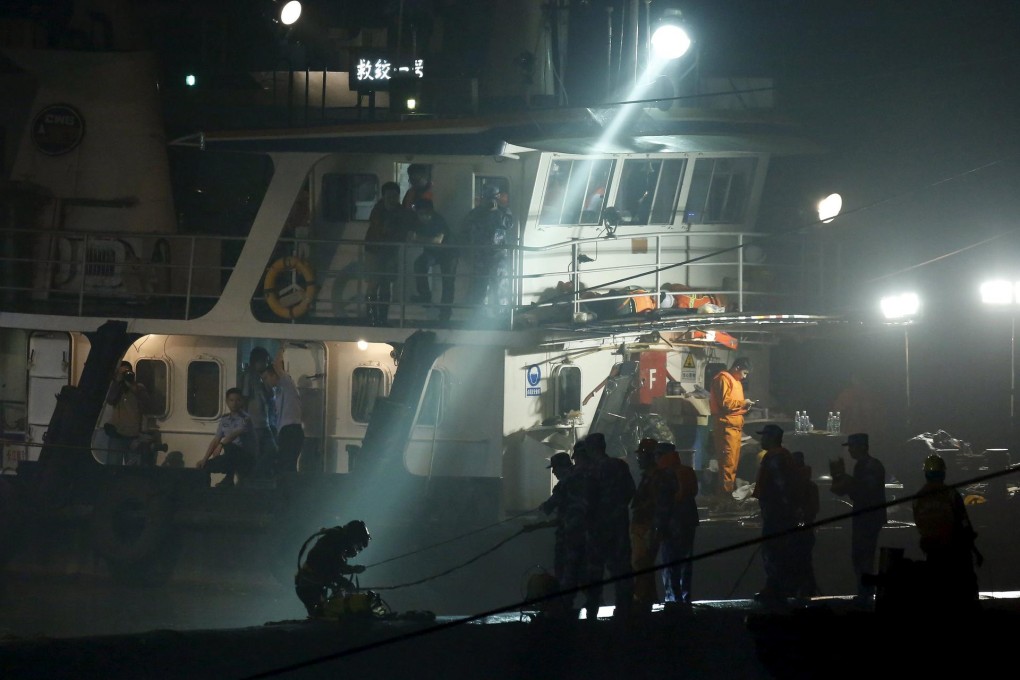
193 274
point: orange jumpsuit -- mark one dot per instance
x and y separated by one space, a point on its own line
727 405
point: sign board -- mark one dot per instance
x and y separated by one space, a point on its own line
653 376
374 71
689 370
57 129
533 376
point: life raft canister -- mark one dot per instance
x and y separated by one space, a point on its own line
272 295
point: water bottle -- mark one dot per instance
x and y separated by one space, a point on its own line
839 423
797 423
830 424
807 423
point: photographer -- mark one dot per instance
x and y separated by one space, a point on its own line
128 399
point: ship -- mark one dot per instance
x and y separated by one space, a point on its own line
634 271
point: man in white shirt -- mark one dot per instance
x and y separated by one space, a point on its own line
290 435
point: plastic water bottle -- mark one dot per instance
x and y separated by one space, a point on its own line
797 423
807 423
839 423
830 424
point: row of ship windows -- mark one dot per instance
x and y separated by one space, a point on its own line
368 383
575 193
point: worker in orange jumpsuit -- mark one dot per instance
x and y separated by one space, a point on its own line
728 407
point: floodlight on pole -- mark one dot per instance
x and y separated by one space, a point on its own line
669 38
901 308
829 207
1002 293
290 12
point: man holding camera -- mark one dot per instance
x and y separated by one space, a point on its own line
128 398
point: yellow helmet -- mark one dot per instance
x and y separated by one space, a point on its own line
934 463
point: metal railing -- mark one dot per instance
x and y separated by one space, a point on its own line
72 273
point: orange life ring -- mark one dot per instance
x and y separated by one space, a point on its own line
273 297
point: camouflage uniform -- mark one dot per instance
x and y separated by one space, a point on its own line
676 521
643 543
569 502
488 227
612 489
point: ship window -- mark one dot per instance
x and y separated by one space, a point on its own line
431 412
367 385
720 189
575 192
567 383
483 181
204 394
154 375
649 190
348 197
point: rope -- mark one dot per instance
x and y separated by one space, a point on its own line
456 567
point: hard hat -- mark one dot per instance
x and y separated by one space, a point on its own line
934 463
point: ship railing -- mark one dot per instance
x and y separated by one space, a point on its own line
182 276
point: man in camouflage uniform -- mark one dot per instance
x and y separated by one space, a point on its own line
488 227
643 544
612 489
676 520
569 504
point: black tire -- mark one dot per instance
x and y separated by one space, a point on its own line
131 521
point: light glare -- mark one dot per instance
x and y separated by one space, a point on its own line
997 292
829 207
290 13
362 345
189 80
669 41
900 306
412 104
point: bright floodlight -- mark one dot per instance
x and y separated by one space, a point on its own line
670 41
190 80
829 207
362 345
998 292
900 306
290 13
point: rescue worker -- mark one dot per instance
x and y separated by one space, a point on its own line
324 572
947 536
432 231
608 545
728 406
802 543
419 175
488 226
388 225
776 491
568 503
643 544
866 489
676 520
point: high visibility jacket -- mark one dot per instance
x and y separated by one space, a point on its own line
727 400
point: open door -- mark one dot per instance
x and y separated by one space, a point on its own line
49 370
